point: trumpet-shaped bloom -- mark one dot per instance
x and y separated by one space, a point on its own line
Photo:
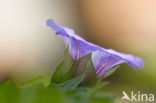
103 59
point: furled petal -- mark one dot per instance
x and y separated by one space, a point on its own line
103 59
77 45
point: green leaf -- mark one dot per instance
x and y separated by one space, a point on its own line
65 69
71 84
85 66
39 79
99 85
101 99
80 95
8 92
37 93
34 93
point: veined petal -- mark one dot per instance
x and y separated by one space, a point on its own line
103 59
132 60
62 30
77 45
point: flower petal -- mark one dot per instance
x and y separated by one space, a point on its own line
63 31
132 60
77 45
103 59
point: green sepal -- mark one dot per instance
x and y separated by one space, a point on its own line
85 66
64 70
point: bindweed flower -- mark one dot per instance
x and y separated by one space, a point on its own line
103 59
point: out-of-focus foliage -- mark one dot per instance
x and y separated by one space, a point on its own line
72 82
37 93
67 85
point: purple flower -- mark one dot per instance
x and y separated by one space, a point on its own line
103 59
